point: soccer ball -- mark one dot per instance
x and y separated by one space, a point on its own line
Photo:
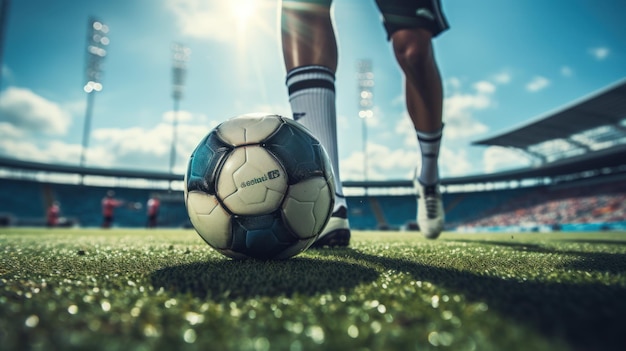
259 186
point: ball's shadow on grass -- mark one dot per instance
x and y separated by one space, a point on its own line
229 279
589 316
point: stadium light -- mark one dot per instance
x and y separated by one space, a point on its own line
96 50
365 80
180 56
4 16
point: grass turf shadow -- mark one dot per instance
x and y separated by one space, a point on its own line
229 279
588 261
588 316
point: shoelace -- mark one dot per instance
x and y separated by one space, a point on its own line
430 196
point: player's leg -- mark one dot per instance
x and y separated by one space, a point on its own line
310 55
411 26
413 51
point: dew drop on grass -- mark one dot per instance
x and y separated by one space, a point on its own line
433 338
31 321
194 318
261 344
434 301
150 331
445 338
316 333
170 303
190 336
376 327
135 311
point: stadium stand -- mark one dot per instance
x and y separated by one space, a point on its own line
577 182
583 205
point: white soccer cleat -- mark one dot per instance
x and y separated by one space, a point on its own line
337 231
430 215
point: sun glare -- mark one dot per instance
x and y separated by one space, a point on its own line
242 10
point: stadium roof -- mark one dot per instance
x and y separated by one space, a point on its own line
611 158
58 168
606 107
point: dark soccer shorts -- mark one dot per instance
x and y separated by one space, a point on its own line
404 14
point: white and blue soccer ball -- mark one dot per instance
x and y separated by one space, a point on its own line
259 186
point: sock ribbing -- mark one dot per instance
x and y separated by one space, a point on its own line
312 98
429 143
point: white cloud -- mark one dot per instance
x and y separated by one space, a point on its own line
498 159
51 152
484 88
129 148
181 116
214 20
502 78
454 162
600 53
406 130
382 163
459 108
537 83
150 148
452 83
201 19
566 71
9 131
28 111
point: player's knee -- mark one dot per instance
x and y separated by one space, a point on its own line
412 51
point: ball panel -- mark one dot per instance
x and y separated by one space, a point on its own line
289 141
204 164
328 168
209 219
248 129
261 237
308 206
251 181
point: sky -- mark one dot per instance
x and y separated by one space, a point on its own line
503 63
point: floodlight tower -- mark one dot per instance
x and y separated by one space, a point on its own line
4 16
180 56
365 78
97 42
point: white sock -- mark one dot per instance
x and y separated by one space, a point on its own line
312 99
429 145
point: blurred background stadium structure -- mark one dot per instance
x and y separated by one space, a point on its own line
577 182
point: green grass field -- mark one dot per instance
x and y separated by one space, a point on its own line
126 289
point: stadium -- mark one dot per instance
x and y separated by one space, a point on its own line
577 183
577 186
107 258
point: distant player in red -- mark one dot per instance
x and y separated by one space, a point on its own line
52 214
153 211
109 203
